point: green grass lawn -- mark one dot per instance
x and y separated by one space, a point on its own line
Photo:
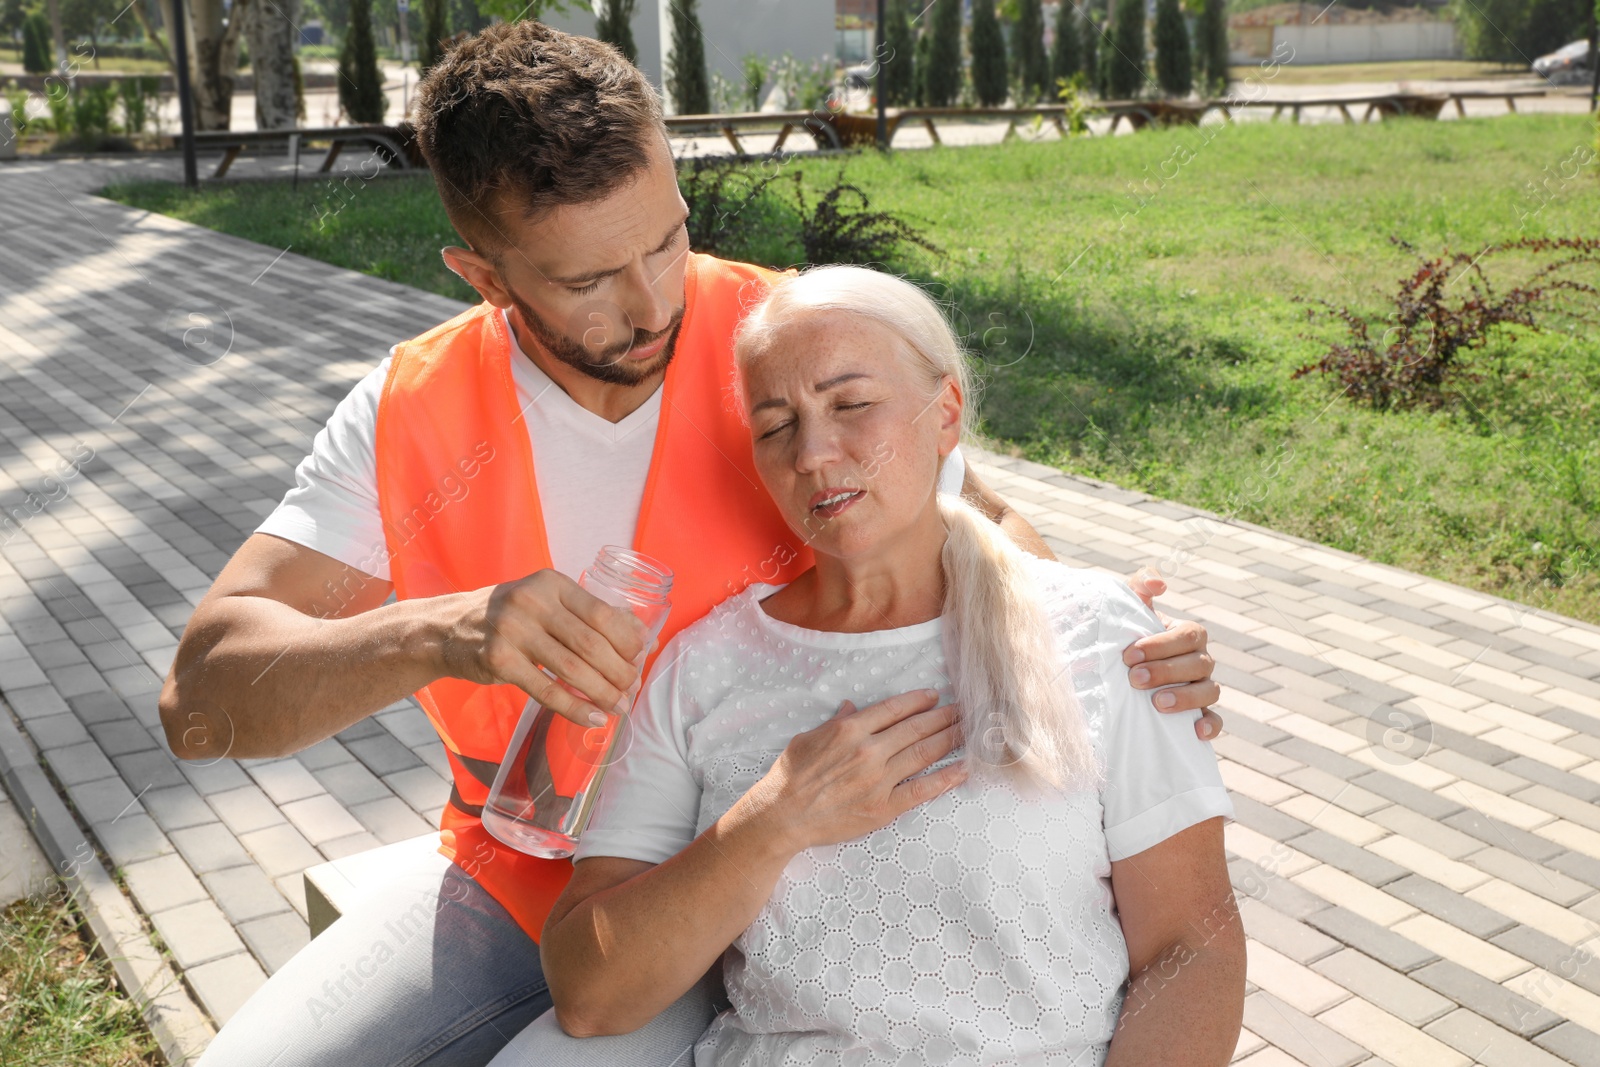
1146 335
59 1005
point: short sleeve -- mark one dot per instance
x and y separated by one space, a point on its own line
649 800
333 507
1160 777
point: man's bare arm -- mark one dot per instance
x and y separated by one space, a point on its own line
290 646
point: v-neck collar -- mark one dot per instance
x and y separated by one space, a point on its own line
545 390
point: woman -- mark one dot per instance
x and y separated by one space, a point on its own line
969 874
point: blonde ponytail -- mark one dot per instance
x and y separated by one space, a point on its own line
1018 709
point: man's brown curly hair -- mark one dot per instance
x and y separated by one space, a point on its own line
523 118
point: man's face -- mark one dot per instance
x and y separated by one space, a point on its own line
600 285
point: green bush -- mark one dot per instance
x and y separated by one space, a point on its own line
55 97
17 101
755 67
137 95
1174 67
91 108
988 55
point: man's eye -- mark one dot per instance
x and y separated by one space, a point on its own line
585 290
857 404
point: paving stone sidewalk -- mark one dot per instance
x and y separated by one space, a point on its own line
1414 765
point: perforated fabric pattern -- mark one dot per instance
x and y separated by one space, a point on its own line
976 928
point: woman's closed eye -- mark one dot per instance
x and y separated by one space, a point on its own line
851 406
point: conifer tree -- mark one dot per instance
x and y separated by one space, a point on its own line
988 55
686 80
1066 57
899 63
360 84
1211 47
435 32
614 25
1125 75
1033 65
941 73
1174 66
36 43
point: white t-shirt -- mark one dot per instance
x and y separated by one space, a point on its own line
591 474
977 928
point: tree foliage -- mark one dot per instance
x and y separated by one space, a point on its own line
36 43
899 61
1174 66
1033 65
686 74
1518 31
1125 75
1211 47
941 72
988 55
435 38
1066 55
360 84
614 25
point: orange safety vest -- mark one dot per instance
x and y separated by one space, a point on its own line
461 511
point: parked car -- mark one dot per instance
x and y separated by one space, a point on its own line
1567 65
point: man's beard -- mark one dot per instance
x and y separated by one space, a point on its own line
610 365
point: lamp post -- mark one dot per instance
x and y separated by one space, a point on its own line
180 54
883 119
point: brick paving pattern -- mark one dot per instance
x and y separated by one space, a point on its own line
1414 765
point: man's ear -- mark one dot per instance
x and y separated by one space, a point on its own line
476 270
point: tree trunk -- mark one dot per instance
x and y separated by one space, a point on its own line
272 34
213 60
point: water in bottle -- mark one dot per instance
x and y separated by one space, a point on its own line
548 781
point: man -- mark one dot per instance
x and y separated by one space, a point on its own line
474 474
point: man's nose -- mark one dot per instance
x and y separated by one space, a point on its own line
650 306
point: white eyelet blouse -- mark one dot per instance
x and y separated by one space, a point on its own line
978 928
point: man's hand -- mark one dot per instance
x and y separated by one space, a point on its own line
1176 658
507 632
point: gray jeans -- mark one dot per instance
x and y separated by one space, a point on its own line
429 971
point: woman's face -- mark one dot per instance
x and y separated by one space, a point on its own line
846 438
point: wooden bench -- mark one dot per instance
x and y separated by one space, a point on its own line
395 143
334 887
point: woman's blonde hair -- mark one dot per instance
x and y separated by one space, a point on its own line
1018 709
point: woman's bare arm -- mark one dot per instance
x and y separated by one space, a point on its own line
1186 957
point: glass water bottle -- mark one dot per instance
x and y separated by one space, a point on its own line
548 781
